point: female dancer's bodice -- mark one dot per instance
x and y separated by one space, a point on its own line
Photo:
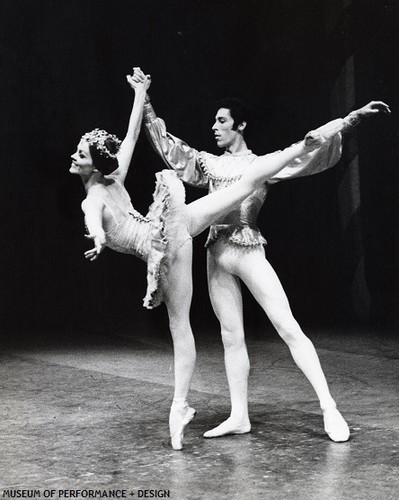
126 230
155 238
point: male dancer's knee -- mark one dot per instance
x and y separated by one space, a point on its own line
232 338
288 329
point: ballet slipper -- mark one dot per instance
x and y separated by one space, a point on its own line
228 427
179 417
335 426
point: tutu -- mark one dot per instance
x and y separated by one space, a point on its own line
169 231
155 238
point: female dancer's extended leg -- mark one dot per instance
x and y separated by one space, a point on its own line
206 210
178 302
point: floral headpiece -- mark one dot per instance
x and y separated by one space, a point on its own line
97 138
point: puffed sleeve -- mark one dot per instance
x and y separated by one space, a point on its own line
175 153
324 157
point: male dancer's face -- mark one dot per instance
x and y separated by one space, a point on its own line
223 129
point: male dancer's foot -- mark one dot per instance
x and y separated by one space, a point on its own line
335 426
227 427
180 415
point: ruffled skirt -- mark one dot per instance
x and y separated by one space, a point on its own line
157 237
169 231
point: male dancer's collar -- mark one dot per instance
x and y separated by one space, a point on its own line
247 152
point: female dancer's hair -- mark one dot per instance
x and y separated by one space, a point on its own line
103 149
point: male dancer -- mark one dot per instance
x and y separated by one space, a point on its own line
236 253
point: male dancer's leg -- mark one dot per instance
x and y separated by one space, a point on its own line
226 299
264 284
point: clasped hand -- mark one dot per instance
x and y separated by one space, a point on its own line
138 80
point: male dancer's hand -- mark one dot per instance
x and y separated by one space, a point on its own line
315 138
372 108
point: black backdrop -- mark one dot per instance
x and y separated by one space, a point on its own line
63 73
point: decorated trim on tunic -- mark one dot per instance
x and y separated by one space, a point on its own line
236 234
148 111
350 122
217 179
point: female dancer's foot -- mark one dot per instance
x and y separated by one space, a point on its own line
180 415
335 425
229 426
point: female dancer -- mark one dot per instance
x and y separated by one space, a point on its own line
163 238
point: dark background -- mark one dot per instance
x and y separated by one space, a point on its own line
63 67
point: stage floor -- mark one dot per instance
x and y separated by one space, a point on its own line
90 413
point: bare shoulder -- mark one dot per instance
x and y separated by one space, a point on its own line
93 201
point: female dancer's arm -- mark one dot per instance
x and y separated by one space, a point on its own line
93 209
129 142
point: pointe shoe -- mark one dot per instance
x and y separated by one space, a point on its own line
179 417
335 426
227 428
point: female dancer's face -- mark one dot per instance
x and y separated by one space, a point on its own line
82 162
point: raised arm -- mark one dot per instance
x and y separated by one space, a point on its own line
330 138
133 130
175 153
